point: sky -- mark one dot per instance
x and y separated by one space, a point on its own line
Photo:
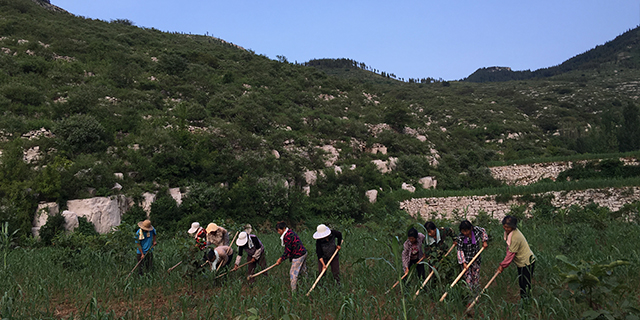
447 39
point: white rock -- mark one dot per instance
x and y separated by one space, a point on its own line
408 187
105 213
372 195
176 195
275 153
310 177
428 182
70 220
119 175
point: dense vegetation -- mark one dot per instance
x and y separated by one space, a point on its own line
192 111
587 267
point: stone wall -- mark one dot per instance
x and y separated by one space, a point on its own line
612 198
525 174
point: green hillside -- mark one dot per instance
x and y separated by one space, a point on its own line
621 52
192 111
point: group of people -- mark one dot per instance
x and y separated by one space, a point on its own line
430 247
469 241
216 239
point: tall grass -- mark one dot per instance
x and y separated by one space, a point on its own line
81 283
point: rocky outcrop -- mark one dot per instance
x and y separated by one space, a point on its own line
104 212
469 206
372 195
428 182
47 5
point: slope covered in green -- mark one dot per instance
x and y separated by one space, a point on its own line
240 130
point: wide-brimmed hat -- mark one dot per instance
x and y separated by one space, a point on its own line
194 227
145 225
242 239
322 232
212 227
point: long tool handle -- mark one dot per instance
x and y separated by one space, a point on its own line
240 266
432 272
261 272
227 251
170 269
463 272
137 264
402 278
325 269
481 292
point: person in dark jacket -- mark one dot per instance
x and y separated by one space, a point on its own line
325 247
435 241
255 253
294 251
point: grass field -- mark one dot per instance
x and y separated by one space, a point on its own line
86 282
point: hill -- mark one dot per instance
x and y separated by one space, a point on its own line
621 52
254 139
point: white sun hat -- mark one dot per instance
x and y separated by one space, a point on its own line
194 227
242 239
322 232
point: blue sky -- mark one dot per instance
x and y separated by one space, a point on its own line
446 39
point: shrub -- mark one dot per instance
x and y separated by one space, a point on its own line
81 133
54 225
23 94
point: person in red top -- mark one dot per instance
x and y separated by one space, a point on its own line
294 251
200 235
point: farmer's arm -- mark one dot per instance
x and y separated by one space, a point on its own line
338 235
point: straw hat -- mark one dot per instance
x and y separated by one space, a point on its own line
212 227
145 225
194 227
242 239
322 232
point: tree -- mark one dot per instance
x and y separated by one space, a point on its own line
629 135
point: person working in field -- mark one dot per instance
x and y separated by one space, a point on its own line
145 241
436 247
223 255
217 236
255 253
325 247
412 252
469 242
518 252
294 251
199 234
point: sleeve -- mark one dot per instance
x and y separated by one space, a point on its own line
406 255
485 236
461 258
138 235
238 259
240 251
225 238
338 236
258 253
287 246
515 245
318 249
507 259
